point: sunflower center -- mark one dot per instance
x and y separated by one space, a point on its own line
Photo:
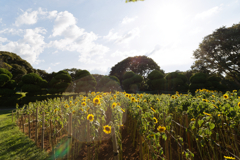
107 129
90 117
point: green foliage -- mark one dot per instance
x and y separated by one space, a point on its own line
4 79
60 82
85 82
5 71
141 65
131 81
219 52
156 80
108 84
31 78
175 81
6 92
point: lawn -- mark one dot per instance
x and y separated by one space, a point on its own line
14 145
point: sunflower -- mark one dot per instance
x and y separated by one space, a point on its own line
193 119
239 104
84 103
114 105
225 96
67 106
173 97
213 101
70 102
144 100
55 110
73 112
161 129
138 106
75 103
155 120
117 93
107 129
88 100
90 117
111 98
96 101
114 96
118 104
234 90
215 106
126 95
133 99
84 100
81 109
141 95
123 110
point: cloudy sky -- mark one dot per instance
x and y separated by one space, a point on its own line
97 34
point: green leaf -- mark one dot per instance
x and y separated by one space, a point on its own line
211 125
200 122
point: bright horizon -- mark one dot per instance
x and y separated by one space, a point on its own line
97 34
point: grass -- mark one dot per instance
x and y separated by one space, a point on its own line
14 144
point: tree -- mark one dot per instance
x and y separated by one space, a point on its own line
60 82
33 84
141 65
16 65
198 81
131 81
85 82
108 84
214 83
7 86
175 81
220 52
156 80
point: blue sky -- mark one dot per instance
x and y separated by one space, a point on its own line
97 34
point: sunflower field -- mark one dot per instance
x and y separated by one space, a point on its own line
173 127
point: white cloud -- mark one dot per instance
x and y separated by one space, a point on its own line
0 20
76 39
39 61
54 64
62 22
29 47
12 31
128 20
125 54
126 38
3 39
195 31
208 13
31 17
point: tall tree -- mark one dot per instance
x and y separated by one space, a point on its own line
85 82
7 86
131 81
141 65
220 52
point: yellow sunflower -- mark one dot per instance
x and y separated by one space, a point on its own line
114 105
161 129
67 106
107 129
90 117
153 109
123 110
193 119
73 112
239 104
118 104
96 101
55 110
84 103
155 120
133 99
225 96
126 95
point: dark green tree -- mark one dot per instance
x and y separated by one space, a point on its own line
198 81
33 84
131 81
141 65
219 52
85 82
7 86
175 81
60 82
108 84
156 80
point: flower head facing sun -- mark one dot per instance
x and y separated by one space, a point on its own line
161 129
90 117
225 96
107 129
155 120
114 105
